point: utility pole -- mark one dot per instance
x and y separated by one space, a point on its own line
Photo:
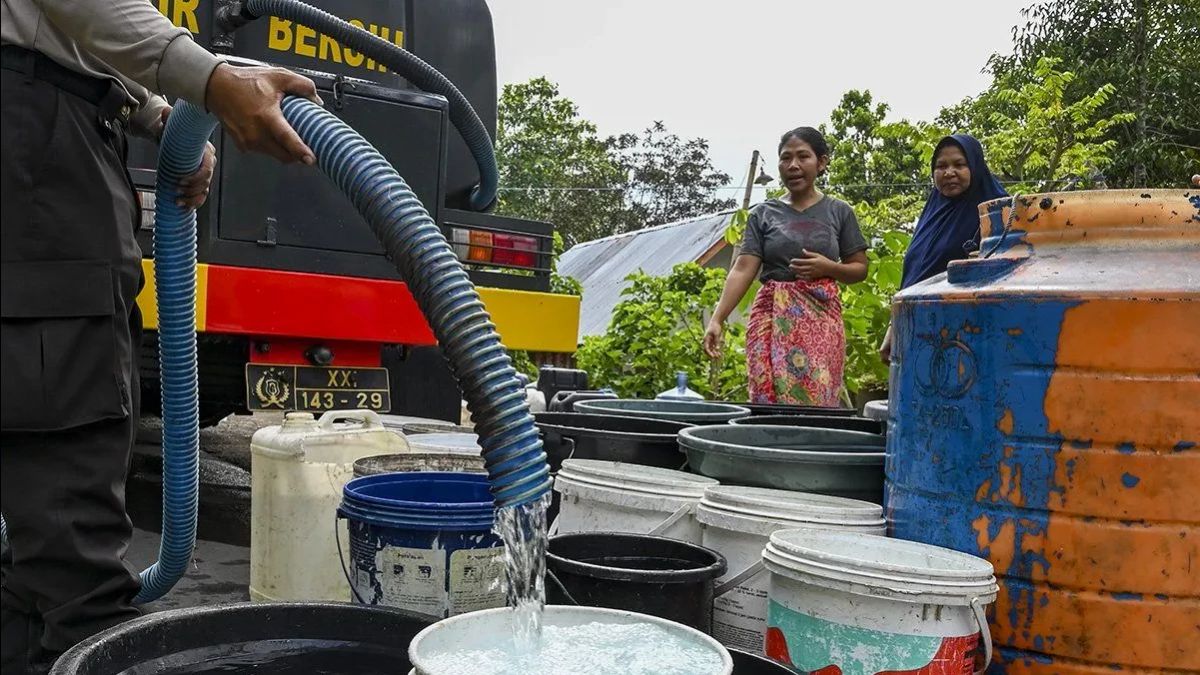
750 179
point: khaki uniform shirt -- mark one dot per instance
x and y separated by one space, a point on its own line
124 40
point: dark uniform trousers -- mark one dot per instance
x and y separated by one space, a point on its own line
71 271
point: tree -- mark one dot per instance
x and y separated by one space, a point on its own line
1148 51
657 330
551 160
871 158
669 178
1047 137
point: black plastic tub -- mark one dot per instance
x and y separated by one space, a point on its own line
259 638
745 663
846 422
686 411
652 575
633 440
757 409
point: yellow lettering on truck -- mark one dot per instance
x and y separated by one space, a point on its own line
182 13
285 36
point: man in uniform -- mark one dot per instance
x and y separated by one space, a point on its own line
76 75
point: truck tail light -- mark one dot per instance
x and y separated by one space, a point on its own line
510 250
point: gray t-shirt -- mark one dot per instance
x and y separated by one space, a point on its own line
777 233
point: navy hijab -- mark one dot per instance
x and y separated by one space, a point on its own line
946 224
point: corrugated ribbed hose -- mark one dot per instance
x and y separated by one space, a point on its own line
180 154
512 449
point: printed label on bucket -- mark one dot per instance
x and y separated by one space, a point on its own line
413 579
740 617
819 647
475 576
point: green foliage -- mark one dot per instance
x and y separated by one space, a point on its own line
872 158
1148 51
1040 137
542 142
657 329
523 363
670 178
866 310
554 167
898 212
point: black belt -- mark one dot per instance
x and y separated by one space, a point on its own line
109 97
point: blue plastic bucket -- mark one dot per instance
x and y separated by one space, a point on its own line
423 542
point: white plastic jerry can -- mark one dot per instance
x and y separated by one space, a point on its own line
297 473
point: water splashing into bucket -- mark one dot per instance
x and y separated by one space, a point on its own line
523 529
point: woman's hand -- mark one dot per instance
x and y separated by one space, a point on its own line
885 349
811 266
712 339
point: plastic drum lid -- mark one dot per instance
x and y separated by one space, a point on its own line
788 506
876 410
868 564
648 480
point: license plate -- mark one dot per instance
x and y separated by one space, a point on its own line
316 389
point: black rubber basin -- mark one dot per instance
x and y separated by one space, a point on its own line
846 422
634 440
748 664
757 409
642 573
258 638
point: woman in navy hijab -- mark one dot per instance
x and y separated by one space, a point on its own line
949 224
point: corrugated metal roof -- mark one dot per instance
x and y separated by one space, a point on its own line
602 265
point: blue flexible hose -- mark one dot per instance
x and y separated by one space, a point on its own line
180 154
512 450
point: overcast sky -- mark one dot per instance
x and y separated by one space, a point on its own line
740 73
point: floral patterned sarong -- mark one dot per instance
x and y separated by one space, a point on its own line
796 343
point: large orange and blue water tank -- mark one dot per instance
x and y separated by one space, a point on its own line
1045 415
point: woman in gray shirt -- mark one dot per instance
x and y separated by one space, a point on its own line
799 247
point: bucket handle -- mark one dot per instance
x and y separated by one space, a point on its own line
984 632
738 579
337 536
679 514
571 454
368 419
563 440
553 528
566 594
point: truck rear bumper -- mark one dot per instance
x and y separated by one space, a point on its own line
277 304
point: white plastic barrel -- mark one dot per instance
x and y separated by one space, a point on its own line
738 522
603 496
859 603
297 472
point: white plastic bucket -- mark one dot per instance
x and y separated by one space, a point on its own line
738 522
449 442
603 496
865 604
468 632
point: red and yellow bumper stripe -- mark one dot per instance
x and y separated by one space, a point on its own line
272 303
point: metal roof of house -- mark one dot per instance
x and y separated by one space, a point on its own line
602 265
